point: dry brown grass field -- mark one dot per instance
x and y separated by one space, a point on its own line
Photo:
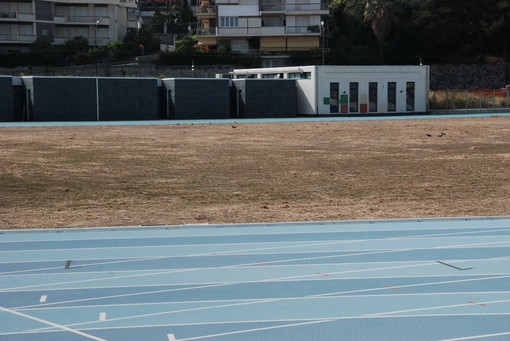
57 177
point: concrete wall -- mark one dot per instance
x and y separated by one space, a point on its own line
491 76
264 98
128 99
193 98
6 99
60 98
75 98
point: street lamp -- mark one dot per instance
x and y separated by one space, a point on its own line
95 32
95 40
322 36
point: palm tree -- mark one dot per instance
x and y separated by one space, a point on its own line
382 14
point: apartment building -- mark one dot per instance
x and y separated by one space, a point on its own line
268 27
22 22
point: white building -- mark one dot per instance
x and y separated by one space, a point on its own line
22 22
348 90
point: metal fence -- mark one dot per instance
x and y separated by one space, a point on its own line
469 99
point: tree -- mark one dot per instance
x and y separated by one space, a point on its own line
382 15
350 38
75 45
144 36
186 44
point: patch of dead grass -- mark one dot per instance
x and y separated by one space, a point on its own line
256 172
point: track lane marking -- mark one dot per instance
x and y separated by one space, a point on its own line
228 266
476 337
62 327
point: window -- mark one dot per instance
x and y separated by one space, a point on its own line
300 75
25 7
353 97
272 21
392 96
101 10
229 21
372 96
239 45
410 96
333 98
270 75
302 20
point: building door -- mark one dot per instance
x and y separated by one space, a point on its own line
353 97
410 96
333 98
372 96
392 96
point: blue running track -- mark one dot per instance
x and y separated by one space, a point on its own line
431 279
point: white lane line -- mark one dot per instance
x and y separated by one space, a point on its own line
125 295
311 297
337 319
326 228
421 263
171 337
476 337
267 300
414 285
257 329
259 249
74 331
222 267
43 299
333 318
294 243
436 307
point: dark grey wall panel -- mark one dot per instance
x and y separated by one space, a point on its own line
61 98
44 10
190 98
44 32
264 98
128 99
6 99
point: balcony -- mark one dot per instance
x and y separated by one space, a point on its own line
8 15
92 40
307 8
239 31
303 30
260 31
272 31
315 7
81 20
17 16
272 6
18 38
211 31
132 23
206 11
